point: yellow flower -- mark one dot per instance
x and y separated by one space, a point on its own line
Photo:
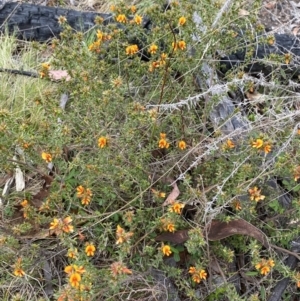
265 270
182 21
265 266
121 18
66 227
75 279
74 269
162 143
132 49
95 46
258 143
24 203
297 279
58 226
267 148
85 201
138 19
72 253
192 270
19 272
99 35
47 157
255 194
177 208
90 249
237 205
230 143
133 9
271 263
174 45
162 194
166 249
153 48
163 56
170 227
182 144
202 274
54 224
80 191
46 66
102 142
196 278
181 45
122 235
68 269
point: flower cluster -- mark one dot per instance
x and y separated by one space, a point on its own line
101 37
261 145
59 225
121 18
122 235
74 273
264 266
197 274
159 63
18 270
255 194
162 143
84 194
179 45
132 49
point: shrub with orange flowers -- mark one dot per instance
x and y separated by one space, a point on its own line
159 155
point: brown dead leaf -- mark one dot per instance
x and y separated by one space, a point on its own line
172 196
59 75
217 230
